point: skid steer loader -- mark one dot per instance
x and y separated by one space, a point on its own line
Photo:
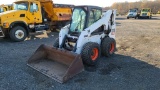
88 35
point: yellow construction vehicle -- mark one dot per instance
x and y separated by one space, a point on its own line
146 13
89 34
32 16
6 7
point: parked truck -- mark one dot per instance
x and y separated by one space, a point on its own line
133 13
32 16
146 13
6 7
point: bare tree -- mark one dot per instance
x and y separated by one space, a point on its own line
123 7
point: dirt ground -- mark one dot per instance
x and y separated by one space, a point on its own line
139 39
135 66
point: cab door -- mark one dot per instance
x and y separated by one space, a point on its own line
34 13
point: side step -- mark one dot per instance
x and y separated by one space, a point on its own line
1 33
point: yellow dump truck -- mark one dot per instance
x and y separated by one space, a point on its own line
4 8
32 16
146 13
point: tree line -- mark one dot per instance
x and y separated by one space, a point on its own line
123 7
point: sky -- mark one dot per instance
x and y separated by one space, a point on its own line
102 3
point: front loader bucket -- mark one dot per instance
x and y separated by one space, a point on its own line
57 64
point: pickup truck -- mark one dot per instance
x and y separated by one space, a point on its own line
133 13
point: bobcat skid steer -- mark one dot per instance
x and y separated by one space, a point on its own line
88 35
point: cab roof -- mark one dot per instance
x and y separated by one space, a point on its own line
89 6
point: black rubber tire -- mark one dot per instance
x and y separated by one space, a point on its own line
135 17
106 45
56 43
127 17
87 52
150 17
13 31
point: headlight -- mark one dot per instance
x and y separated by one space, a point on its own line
6 24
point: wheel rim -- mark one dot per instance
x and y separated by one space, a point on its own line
111 47
19 34
94 55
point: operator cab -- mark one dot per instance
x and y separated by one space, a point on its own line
83 17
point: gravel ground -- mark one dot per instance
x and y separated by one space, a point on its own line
135 66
